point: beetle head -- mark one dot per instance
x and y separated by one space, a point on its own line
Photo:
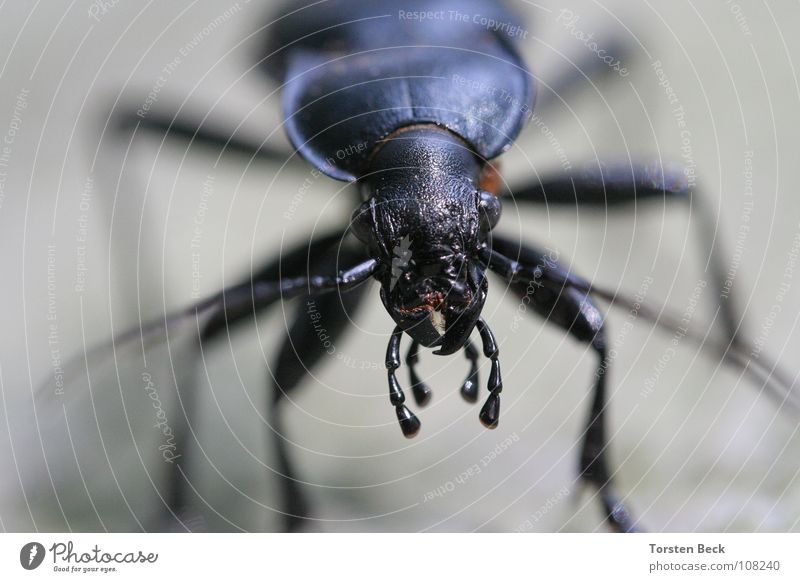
424 218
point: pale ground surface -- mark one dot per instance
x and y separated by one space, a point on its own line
698 452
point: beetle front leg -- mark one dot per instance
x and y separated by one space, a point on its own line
300 352
281 279
593 465
559 297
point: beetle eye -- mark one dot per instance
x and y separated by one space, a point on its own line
361 222
490 209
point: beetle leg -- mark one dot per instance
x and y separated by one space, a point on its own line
604 185
292 263
409 423
422 392
195 131
301 350
281 278
557 295
469 389
235 303
490 413
576 72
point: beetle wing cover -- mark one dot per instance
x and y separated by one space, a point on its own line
367 75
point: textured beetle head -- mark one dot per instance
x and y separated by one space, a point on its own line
424 219
436 302
432 284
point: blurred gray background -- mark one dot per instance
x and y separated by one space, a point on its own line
97 235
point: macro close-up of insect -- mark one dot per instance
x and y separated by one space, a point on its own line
550 188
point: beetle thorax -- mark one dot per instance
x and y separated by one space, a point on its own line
423 186
422 220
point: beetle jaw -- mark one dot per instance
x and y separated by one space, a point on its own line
435 318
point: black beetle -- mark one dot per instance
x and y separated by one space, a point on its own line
415 111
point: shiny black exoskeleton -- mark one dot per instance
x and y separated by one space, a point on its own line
412 100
